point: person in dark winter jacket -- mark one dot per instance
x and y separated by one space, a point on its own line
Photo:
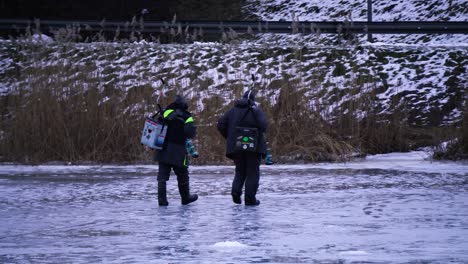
245 113
173 155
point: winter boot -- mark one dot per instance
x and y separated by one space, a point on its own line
250 201
162 198
236 198
184 190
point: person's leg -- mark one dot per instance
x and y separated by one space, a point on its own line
163 176
252 168
239 179
183 182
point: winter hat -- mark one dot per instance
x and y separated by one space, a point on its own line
249 95
180 102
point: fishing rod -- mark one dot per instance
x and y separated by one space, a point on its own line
160 93
154 129
251 90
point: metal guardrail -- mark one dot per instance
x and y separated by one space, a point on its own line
410 27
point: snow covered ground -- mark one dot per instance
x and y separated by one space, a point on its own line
429 78
337 10
397 208
356 10
424 72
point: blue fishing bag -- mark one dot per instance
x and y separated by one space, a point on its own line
154 133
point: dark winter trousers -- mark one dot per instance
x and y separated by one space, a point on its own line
181 173
248 172
182 182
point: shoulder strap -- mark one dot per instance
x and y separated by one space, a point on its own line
159 112
246 112
156 114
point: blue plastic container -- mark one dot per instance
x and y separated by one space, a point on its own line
154 133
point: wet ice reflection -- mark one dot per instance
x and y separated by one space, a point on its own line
308 215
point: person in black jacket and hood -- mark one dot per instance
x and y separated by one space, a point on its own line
174 154
244 114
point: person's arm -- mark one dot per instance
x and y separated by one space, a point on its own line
190 130
260 118
222 124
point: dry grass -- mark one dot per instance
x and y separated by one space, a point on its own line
456 149
76 119
54 123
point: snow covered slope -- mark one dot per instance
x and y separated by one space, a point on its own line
337 10
427 79
428 82
356 10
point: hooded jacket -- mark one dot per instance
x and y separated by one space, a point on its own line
180 128
232 118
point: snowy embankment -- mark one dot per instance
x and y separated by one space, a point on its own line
356 10
430 81
335 10
406 81
423 74
416 161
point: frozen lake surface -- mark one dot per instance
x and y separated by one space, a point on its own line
395 208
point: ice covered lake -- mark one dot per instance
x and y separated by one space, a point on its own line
398 208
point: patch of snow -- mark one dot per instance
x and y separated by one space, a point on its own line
38 38
229 244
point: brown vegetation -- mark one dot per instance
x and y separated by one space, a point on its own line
52 122
456 149
69 112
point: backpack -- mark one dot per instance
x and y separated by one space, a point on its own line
246 137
